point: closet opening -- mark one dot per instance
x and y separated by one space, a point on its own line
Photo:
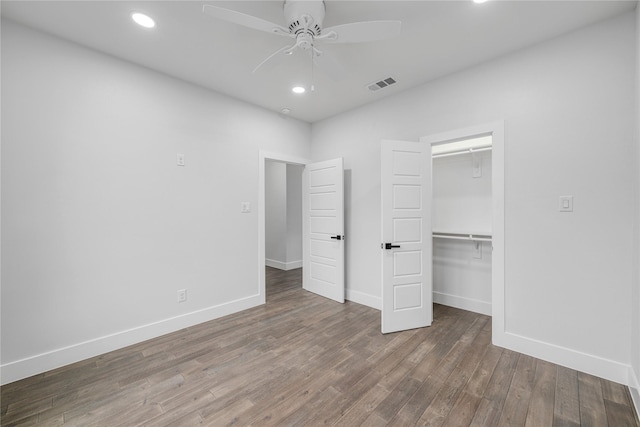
462 207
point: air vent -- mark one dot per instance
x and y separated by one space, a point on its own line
381 84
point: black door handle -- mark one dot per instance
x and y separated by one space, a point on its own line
338 237
390 246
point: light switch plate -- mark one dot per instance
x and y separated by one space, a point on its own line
245 207
566 204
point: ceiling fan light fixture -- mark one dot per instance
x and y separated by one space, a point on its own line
143 20
298 89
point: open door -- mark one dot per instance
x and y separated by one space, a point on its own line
323 229
406 236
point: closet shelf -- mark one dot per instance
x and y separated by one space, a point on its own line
462 236
464 151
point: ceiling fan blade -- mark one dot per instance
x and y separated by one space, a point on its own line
357 32
328 64
244 20
275 58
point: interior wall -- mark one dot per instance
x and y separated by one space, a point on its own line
100 227
283 215
275 214
569 127
462 204
294 216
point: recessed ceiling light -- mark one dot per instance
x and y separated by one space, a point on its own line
298 89
479 1
143 20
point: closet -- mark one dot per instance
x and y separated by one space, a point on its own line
462 224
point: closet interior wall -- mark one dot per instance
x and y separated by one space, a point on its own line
462 206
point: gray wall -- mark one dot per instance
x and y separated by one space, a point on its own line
283 215
568 107
100 227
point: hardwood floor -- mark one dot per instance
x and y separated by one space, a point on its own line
304 360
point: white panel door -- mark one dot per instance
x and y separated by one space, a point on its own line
406 236
323 225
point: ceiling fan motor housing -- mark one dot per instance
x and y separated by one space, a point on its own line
298 12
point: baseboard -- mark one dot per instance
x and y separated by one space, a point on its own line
44 362
286 266
440 298
364 299
634 390
468 304
584 362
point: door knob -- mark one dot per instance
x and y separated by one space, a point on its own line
390 246
338 237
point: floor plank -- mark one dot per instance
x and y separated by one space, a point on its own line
304 360
566 409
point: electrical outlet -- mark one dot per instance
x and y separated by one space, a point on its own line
182 295
180 159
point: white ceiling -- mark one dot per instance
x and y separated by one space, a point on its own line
438 38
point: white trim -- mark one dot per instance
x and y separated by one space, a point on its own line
469 304
496 130
37 364
634 389
364 299
598 366
263 157
286 266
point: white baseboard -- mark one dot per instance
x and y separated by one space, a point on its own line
634 389
468 304
44 362
286 266
364 299
584 362
440 298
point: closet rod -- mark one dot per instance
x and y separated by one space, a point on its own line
465 151
462 236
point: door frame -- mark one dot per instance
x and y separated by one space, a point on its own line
496 130
263 157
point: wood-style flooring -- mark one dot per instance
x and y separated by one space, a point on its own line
304 360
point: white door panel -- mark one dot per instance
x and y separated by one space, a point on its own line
323 222
406 225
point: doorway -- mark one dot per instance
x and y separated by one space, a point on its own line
322 225
283 224
494 130
274 164
461 223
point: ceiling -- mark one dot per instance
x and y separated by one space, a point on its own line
437 38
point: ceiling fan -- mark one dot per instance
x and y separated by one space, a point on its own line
304 25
